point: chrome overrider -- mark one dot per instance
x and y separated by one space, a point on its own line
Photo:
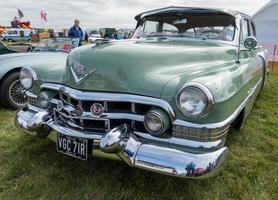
172 156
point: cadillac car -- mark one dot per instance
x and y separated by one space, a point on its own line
15 56
162 101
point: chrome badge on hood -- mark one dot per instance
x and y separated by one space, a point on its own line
79 74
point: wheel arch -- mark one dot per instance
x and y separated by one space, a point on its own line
17 69
239 120
265 72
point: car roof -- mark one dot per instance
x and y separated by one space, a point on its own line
173 9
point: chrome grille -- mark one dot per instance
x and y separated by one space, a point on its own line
87 125
199 134
115 113
120 109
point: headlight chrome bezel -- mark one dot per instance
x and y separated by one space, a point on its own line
31 72
206 92
156 114
43 96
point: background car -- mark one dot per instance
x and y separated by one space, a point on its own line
51 49
93 35
15 47
17 34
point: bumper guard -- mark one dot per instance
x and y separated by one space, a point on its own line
122 142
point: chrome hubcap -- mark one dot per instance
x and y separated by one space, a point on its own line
16 94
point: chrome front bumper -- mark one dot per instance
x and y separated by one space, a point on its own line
123 143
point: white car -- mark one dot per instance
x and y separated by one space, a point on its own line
17 34
93 36
93 39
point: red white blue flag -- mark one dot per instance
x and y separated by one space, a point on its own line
20 14
43 15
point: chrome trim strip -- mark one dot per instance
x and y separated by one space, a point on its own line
88 115
31 95
112 97
227 121
172 141
34 108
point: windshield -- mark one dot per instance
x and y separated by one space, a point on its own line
57 44
210 26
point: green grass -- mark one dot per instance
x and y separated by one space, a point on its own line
32 169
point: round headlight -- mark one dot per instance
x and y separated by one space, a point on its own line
194 100
154 123
27 77
43 100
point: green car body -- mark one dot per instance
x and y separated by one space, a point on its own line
132 78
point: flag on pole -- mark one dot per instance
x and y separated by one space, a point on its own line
20 14
43 15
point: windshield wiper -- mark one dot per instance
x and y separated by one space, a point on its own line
191 36
50 50
156 35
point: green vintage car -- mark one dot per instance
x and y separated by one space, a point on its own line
162 101
15 56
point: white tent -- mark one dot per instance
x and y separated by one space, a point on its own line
266 20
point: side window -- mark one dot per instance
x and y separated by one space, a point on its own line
21 33
169 28
12 32
253 30
190 32
151 27
245 32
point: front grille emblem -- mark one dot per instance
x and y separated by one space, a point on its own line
79 74
97 110
79 70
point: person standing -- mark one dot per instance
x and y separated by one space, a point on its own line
86 38
76 32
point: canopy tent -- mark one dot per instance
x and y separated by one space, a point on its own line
2 29
266 20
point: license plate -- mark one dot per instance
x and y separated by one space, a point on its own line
72 146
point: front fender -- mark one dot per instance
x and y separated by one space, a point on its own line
229 87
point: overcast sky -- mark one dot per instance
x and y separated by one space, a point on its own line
109 13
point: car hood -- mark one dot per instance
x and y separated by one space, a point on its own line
48 65
145 67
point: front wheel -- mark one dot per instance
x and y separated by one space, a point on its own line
12 92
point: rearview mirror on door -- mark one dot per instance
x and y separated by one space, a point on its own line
250 43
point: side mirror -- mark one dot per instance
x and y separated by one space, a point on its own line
250 43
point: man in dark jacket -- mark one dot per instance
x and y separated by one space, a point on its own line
76 32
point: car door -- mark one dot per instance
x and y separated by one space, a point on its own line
21 35
249 58
251 64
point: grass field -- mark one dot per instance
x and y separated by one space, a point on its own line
31 169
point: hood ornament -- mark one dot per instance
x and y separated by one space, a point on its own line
78 72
